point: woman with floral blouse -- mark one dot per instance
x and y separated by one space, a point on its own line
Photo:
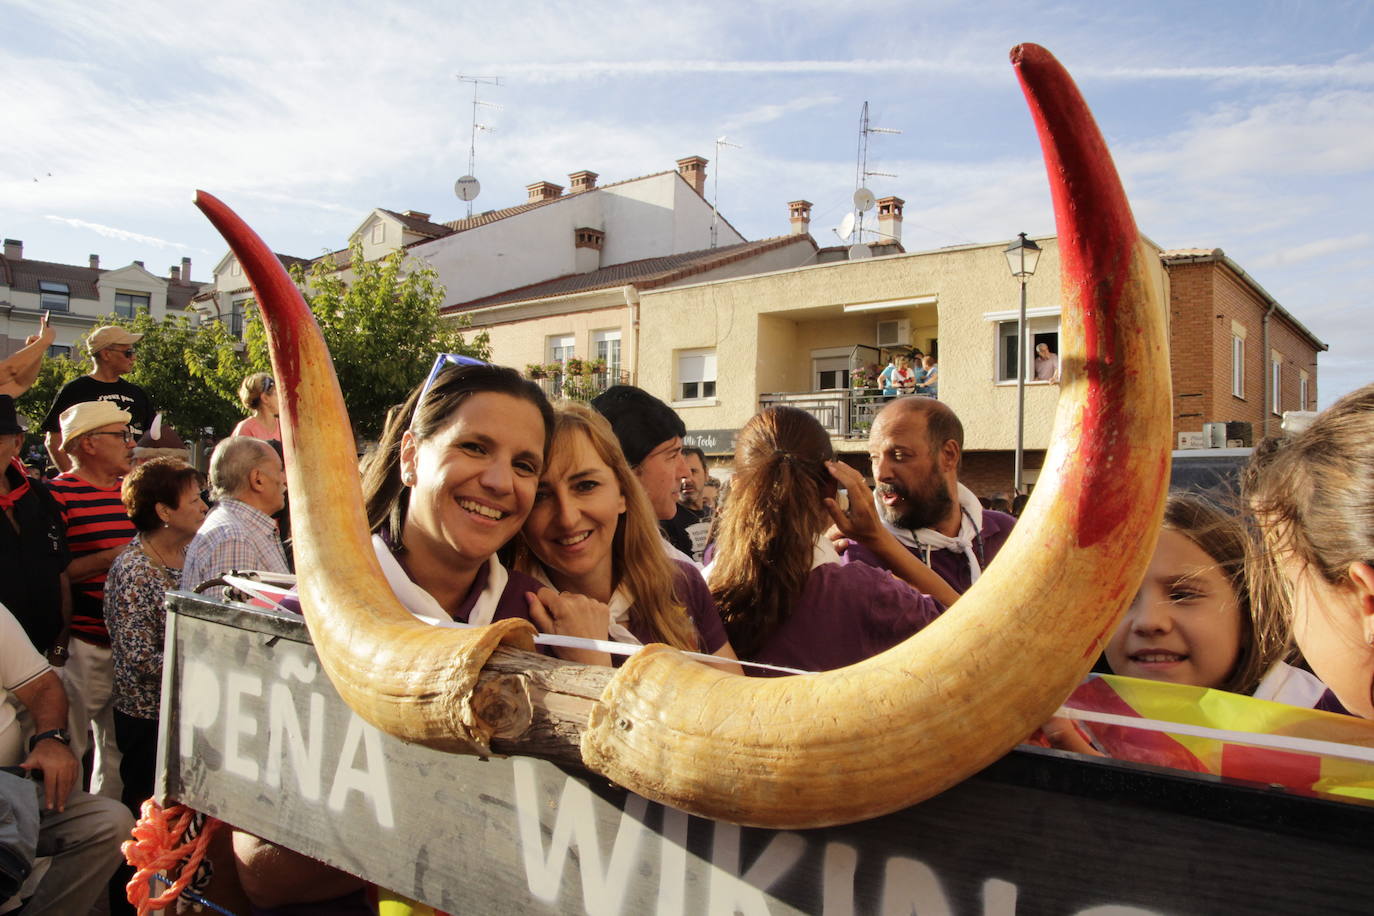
162 497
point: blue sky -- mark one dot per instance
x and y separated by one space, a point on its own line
1244 126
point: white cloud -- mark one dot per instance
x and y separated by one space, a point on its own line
1318 248
123 235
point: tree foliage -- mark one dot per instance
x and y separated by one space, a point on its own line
382 327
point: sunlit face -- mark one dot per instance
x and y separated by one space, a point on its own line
274 480
111 449
660 473
577 510
910 481
692 488
118 358
474 480
189 512
1184 625
1331 633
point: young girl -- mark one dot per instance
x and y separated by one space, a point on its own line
592 532
785 595
1192 621
1313 497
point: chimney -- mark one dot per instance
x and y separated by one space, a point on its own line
890 219
416 214
95 262
175 274
800 211
582 181
587 245
14 249
185 270
693 170
543 190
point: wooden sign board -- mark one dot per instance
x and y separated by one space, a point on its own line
254 734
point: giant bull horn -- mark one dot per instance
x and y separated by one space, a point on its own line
408 678
877 736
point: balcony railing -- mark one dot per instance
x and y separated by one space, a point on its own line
845 413
584 387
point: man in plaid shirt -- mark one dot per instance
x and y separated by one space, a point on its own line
249 483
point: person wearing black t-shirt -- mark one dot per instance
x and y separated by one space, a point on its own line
112 349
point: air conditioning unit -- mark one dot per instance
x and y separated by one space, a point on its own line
894 333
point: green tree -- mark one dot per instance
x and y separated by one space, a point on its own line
383 329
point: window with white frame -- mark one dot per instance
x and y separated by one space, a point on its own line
236 311
54 296
562 348
1302 390
378 232
606 345
829 372
1275 383
128 304
1043 329
696 375
1237 365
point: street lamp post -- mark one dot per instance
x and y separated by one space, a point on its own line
1022 257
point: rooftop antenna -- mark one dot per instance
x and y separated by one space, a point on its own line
468 187
863 197
715 185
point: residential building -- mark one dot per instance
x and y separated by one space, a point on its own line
1238 356
719 350
552 234
78 298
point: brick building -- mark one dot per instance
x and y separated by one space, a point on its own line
1237 354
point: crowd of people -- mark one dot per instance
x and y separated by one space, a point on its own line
486 501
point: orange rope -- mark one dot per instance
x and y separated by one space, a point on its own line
156 847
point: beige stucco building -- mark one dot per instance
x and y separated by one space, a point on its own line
80 297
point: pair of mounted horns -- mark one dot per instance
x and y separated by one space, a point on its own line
819 749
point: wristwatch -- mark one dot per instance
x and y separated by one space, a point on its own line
61 734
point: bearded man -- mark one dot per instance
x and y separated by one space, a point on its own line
916 445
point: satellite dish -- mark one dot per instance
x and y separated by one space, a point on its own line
864 200
846 227
859 252
467 187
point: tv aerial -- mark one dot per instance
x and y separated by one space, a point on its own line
864 199
715 184
468 187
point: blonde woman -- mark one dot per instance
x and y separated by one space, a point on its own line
258 394
592 532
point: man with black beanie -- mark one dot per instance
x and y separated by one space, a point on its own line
650 435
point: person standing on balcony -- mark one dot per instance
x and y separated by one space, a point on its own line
650 435
112 350
916 445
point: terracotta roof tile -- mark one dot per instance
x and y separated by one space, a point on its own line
419 226
647 273
26 274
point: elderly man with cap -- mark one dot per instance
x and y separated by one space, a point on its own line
650 435
112 350
33 547
97 439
